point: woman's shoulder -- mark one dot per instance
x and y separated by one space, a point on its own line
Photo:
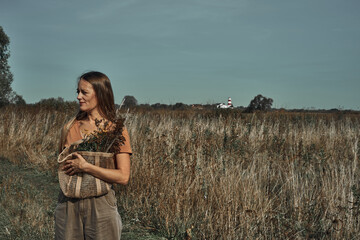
68 125
66 131
70 128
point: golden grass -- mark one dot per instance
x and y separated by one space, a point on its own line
222 175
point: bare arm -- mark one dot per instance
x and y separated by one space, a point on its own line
119 175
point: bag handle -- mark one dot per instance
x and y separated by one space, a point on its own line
67 152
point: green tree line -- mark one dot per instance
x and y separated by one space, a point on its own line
7 94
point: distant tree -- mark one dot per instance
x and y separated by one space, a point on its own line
17 99
53 103
179 106
58 104
7 95
259 103
6 76
208 106
159 106
144 106
130 101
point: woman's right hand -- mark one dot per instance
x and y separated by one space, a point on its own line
76 165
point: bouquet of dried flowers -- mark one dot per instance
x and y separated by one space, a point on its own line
107 138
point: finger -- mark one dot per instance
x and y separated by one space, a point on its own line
67 165
67 169
69 161
79 156
70 171
73 171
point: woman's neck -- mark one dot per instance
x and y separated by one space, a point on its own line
94 115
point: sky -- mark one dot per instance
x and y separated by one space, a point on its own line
302 54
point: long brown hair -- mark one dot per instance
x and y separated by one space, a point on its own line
104 95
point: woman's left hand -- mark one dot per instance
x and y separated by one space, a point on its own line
75 165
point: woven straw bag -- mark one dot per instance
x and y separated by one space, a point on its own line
83 185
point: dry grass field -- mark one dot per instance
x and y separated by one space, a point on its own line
203 174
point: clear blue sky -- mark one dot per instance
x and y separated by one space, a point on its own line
300 53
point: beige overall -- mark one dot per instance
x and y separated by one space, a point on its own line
89 218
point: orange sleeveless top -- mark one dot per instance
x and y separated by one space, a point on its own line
74 135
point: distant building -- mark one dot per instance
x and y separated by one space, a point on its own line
228 105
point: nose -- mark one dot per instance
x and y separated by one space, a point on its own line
78 96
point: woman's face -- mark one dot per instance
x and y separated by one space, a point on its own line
86 96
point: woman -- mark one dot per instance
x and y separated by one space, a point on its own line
96 217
